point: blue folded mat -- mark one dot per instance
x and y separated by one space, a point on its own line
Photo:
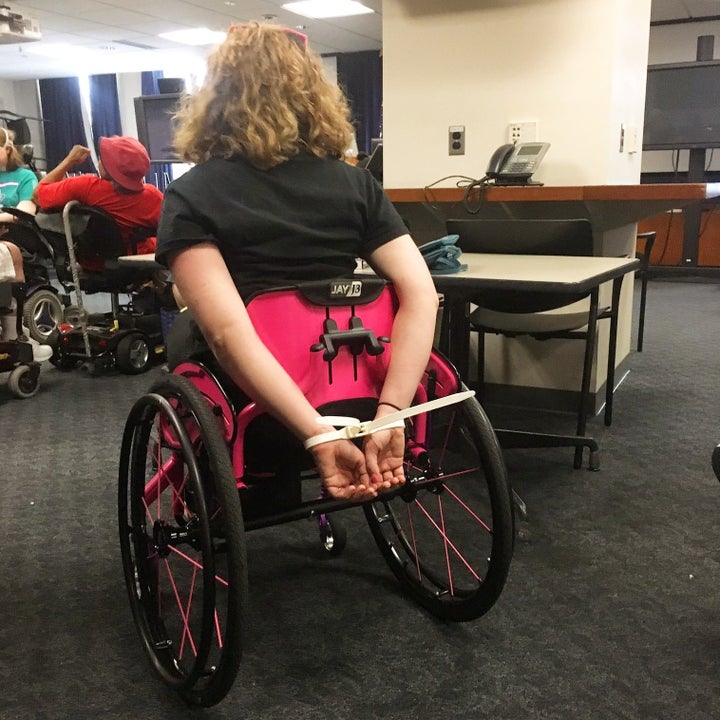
441 255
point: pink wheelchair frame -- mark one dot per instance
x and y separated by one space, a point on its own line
193 480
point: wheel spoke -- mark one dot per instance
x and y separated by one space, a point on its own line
446 540
451 553
183 616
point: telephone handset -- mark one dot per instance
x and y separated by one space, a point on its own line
514 164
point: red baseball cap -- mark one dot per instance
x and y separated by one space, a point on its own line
126 161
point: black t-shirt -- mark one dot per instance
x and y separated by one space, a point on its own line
308 218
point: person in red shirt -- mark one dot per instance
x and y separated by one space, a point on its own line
120 188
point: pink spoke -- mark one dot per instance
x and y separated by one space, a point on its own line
443 535
162 475
469 511
447 435
445 545
218 631
180 608
414 543
186 631
198 565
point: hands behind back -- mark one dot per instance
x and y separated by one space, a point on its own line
349 473
343 470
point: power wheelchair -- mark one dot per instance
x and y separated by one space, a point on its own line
81 244
43 305
129 336
201 465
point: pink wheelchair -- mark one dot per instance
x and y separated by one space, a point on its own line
201 465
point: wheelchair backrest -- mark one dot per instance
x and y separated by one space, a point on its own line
332 337
98 235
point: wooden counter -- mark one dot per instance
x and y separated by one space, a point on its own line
608 207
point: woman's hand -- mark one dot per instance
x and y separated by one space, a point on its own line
384 451
343 471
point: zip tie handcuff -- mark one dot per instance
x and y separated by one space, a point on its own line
350 428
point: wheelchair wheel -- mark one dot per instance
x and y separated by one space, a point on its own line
182 541
23 381
42 313
132 354
448 534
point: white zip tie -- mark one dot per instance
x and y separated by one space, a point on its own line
350 427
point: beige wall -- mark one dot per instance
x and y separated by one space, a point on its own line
576 67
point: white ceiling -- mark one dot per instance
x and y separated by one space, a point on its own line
100 30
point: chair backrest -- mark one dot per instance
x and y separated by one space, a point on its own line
524 237
25 233
322 333
99 236
332 337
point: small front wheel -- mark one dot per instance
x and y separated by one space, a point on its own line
24 381
333 534
132 354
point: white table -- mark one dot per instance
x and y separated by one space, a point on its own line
537 273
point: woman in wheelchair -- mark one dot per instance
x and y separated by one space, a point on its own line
270 202
16 182
269 207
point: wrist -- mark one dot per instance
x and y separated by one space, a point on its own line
386 407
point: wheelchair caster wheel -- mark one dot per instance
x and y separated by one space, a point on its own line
333 535
24 381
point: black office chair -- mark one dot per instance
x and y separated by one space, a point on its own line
538 314
645 242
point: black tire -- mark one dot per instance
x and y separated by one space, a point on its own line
132 354
333 534
62 362
448 534
59 359
181 529
42 313
23 382
716 462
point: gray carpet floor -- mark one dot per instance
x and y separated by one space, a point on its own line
611 610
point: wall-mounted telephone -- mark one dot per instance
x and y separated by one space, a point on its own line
514 164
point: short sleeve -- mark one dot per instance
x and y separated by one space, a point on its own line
383 220
58 194
179 227
26 186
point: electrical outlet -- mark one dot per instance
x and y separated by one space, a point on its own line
456 140
522 132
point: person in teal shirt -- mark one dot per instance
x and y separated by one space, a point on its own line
16 182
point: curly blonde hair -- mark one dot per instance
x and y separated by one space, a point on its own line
265 99
14 158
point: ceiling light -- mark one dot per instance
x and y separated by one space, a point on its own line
195 36
327 8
